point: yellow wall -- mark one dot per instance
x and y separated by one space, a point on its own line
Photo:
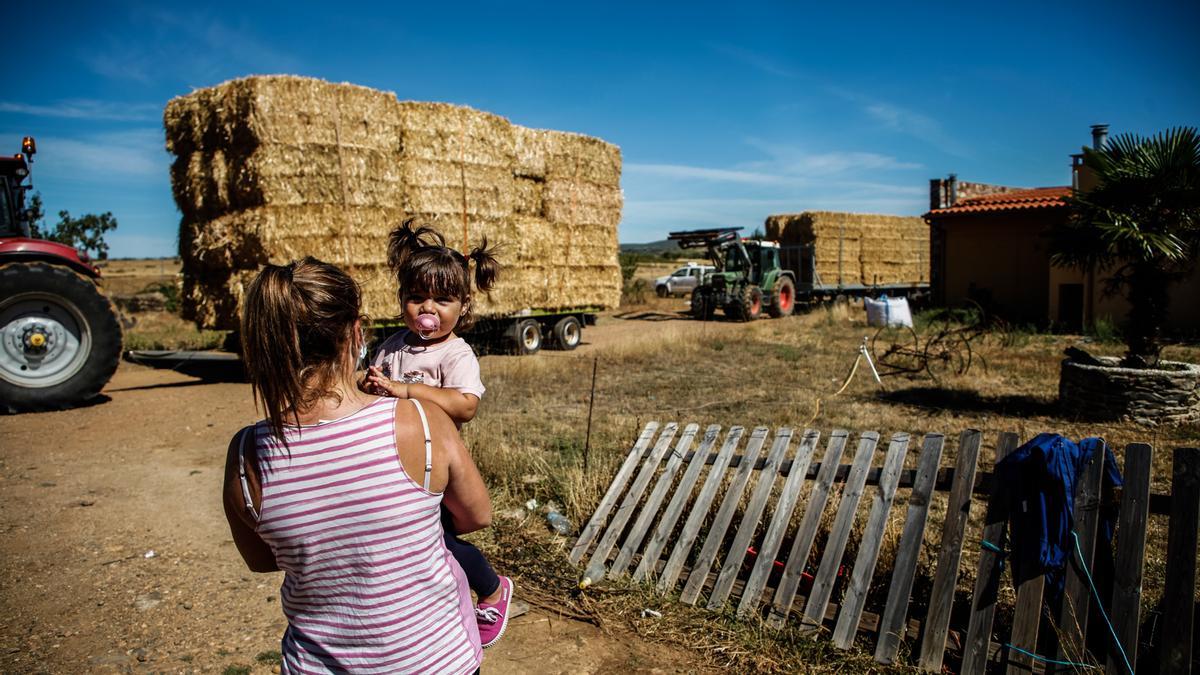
1002 256
1184 307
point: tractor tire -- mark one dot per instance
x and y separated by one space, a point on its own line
748 306
526 337
702 306
60 340
785 299
568 333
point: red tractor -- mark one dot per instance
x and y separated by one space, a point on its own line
60 340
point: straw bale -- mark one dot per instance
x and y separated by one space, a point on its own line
444 132
873 248
269 169
573 201
581 157
530 150
528 199
450 187
282 109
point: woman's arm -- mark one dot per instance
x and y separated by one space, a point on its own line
464 493
254 550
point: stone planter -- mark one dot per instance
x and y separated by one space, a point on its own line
1169 394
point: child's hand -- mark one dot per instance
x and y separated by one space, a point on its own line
375 383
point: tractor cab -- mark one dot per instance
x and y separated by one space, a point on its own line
14 170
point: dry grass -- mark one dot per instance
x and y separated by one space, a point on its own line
529 437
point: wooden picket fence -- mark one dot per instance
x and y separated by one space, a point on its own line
633 531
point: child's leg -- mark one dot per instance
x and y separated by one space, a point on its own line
480 575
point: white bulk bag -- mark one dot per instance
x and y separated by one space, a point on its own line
888 312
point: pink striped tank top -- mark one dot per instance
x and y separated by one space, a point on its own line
369 586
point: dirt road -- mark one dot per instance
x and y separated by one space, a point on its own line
115 555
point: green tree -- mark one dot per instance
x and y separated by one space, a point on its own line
85 233
1141 220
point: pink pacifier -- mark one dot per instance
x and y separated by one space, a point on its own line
427 325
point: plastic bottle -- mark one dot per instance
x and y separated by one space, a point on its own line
559 523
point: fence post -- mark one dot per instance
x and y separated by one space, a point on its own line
987 576
1180 587
958 512
1131 552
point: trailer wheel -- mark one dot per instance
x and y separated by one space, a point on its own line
748 306
527 337
568 333
60 341
785 298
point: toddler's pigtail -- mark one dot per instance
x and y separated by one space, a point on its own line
408 239
487 267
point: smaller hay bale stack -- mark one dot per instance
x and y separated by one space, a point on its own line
272 168
858 248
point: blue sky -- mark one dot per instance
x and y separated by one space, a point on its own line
724 114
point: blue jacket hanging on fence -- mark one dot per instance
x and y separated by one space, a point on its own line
1041 477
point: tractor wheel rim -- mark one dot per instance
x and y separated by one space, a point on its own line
785 299
44 340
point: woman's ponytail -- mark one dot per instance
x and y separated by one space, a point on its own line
296 327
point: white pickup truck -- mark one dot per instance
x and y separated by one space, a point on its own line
682 281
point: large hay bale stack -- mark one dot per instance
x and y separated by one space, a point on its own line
269 169
858 248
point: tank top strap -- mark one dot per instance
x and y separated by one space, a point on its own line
428 442
247 432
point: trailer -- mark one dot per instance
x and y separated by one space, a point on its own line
813 289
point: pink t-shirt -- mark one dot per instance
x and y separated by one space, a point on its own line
450 365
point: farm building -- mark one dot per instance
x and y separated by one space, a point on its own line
988 245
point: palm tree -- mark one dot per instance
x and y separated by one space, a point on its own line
1142 220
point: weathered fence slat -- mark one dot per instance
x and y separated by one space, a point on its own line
891 624
641 524
1180 583
1131 552
1027 616
958 511
773 539
589 532
987 577
868 548
839 533
1077 593
674 508
807 532
595 567
750 518
716 531
691 527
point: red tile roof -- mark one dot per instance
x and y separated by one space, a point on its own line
1036 198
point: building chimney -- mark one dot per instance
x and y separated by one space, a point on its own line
1099 136
952 189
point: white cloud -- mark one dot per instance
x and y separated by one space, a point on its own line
88 109
102 158
682 171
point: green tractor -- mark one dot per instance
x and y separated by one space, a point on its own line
748 278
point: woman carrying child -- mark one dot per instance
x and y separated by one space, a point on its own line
346 492
429 361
